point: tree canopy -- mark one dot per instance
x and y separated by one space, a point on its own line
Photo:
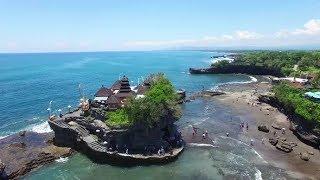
160 101
307 61
293 100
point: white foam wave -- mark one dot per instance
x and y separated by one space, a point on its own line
258 175
245 144
41 128
1 137
201 121
201 145
62 160
222 59
252 80
255 152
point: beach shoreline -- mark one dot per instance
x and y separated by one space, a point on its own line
243 99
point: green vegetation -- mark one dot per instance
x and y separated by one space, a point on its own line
160 101
293 100
118 118
221 63
307 61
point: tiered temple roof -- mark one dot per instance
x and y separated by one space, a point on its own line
103 92
124 85
116 85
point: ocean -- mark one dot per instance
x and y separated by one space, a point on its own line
28 82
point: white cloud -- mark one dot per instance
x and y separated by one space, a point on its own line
237 36
307 35
312 27
247 35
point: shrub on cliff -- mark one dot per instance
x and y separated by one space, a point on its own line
160 102
220 64
308 61
293 100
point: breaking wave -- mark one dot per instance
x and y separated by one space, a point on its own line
201 145
252 80
41 128
62 160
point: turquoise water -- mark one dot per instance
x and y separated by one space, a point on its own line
29 81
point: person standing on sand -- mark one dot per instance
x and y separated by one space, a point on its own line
251 142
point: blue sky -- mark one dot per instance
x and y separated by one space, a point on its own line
79 25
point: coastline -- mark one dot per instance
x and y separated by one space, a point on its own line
25 151
243 99
239 97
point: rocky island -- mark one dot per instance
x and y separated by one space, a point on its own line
124 126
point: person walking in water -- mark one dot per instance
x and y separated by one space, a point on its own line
194 130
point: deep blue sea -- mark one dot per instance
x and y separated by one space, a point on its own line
28 82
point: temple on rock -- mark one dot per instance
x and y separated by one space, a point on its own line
123 139
114 97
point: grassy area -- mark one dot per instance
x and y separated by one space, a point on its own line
159 102
118 119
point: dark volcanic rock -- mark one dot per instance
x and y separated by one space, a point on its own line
273 141
3 174
18 145
21 154
212 93
275 126
284 146
2 167
304 156
263 128
243 69
22 133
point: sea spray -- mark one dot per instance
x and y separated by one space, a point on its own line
41 128
62 160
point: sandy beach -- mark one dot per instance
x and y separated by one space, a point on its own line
243 99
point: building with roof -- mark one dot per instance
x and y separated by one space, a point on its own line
113 102
102 94
315 96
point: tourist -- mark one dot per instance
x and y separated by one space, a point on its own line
262 141
251 142
194 129
283 130
227 134
203 136
247 126
206 133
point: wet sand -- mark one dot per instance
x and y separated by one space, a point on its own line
242 99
